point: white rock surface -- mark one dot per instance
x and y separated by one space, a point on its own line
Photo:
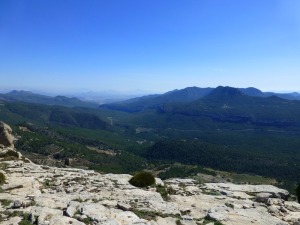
59 196
6 137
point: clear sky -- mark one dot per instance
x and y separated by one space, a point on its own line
156 45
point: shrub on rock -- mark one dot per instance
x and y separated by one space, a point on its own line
142 179
2 178
9 153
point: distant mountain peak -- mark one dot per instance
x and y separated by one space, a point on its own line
28 96
19 92
226 91
252 91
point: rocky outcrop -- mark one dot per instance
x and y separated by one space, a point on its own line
59 196
6 137
260 191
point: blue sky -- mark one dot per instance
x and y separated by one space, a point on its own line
149 44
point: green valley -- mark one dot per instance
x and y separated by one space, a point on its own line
225 129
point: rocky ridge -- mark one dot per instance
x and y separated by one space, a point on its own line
43 195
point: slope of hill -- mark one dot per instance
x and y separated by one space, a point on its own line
38 194
153 101
254 134
231 104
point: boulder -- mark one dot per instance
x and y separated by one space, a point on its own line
274 192
72 208
263 197
218 213
123 206
273 210
17 204
159 182
292 206
6 137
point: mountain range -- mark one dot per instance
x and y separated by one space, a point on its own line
135 104
30 97
188 94
225 128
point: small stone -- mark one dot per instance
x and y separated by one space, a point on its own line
159 182
45 191
124 206
17 204
282 209
59 189
246 207
273 210
31 197
72 208
263 197
32 218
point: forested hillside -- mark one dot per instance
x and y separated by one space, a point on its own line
225 130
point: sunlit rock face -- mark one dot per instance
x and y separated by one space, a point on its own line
6 137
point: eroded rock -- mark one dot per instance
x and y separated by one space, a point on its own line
6 137
75 196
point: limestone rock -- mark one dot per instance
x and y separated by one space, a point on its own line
72 208
292 206
53 195
254 189
159 182
12 221
263 197
62 220
218 213
17 204
6 137
123 206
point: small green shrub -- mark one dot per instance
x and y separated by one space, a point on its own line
2 178
5 202
9 153
163 192
210 220
25 222
147 215
218 223
142 179
87 220
178 222
9 158
230 205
